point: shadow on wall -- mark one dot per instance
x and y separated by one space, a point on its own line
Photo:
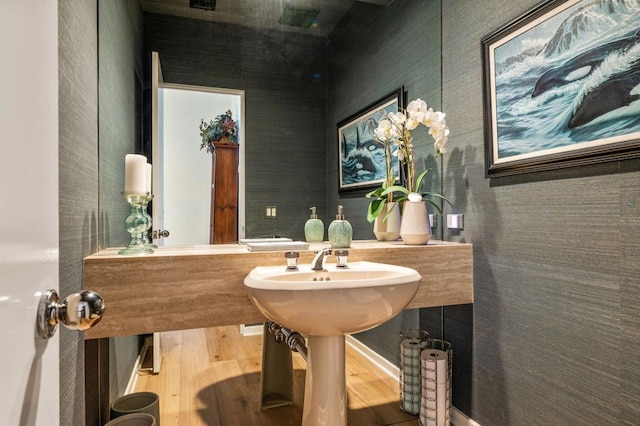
459 321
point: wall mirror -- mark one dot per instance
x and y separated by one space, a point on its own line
298 83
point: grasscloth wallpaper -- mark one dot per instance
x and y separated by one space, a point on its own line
78 200
555 327
554 334
284 79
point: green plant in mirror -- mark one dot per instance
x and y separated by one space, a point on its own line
379 199
222 128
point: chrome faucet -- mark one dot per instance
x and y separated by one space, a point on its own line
318 261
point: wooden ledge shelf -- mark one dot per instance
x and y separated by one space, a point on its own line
181 288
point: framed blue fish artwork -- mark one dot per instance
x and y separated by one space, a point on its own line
562 87
361 156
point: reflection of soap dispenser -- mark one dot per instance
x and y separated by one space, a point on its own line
340 231
314 228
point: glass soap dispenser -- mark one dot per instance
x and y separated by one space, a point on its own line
340 231
314 228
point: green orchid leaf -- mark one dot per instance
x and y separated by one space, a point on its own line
375 193
434 204
427 196
420 178
393 206
433 194
374 210
395 188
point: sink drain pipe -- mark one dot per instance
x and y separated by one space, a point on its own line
293 339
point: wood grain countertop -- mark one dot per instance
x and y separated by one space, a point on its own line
179 288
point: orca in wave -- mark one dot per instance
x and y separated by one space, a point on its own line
582 65
358 160
616 92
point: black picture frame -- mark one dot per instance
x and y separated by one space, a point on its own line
361 163
548 102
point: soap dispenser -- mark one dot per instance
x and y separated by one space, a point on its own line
314 228
340 231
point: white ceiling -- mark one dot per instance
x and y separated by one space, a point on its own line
259 13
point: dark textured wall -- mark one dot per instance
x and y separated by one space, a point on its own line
555 326
120 75
283 76
373 51
78 181
120 128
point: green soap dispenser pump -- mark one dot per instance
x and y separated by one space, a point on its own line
314 228
340 231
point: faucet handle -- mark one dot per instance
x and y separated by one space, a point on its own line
292 260
341 258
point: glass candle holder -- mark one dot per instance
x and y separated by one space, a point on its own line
146 236
136 224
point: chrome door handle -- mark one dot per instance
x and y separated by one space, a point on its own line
156 235
78 311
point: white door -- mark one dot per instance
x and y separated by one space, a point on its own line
157 155
29 365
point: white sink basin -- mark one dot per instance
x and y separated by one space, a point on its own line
334 302
324 306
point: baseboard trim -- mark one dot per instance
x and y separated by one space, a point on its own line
251 329
133 379
458 418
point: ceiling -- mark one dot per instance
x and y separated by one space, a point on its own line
260 13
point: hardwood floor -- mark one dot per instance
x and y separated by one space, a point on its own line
212 377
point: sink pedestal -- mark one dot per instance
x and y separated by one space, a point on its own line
325 389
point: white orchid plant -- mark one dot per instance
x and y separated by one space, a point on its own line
394 132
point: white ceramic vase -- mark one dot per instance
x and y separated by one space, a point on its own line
388 230
415 228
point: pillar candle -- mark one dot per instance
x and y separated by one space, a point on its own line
135 173
149 177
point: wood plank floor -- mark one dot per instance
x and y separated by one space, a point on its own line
212 377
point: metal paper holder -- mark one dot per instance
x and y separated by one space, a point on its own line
429 393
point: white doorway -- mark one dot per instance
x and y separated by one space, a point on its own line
185 170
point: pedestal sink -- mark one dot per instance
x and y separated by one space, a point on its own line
325 306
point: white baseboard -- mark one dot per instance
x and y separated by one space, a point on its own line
251 329
458 418
133 379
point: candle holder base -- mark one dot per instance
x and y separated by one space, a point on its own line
136 224
129 251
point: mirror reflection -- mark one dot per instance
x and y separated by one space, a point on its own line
298 84
197 183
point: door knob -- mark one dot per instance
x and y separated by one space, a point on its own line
156 235
78 311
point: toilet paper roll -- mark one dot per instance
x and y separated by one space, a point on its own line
437 361
430 357
411 348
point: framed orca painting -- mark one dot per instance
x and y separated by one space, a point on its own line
562 87
361 157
